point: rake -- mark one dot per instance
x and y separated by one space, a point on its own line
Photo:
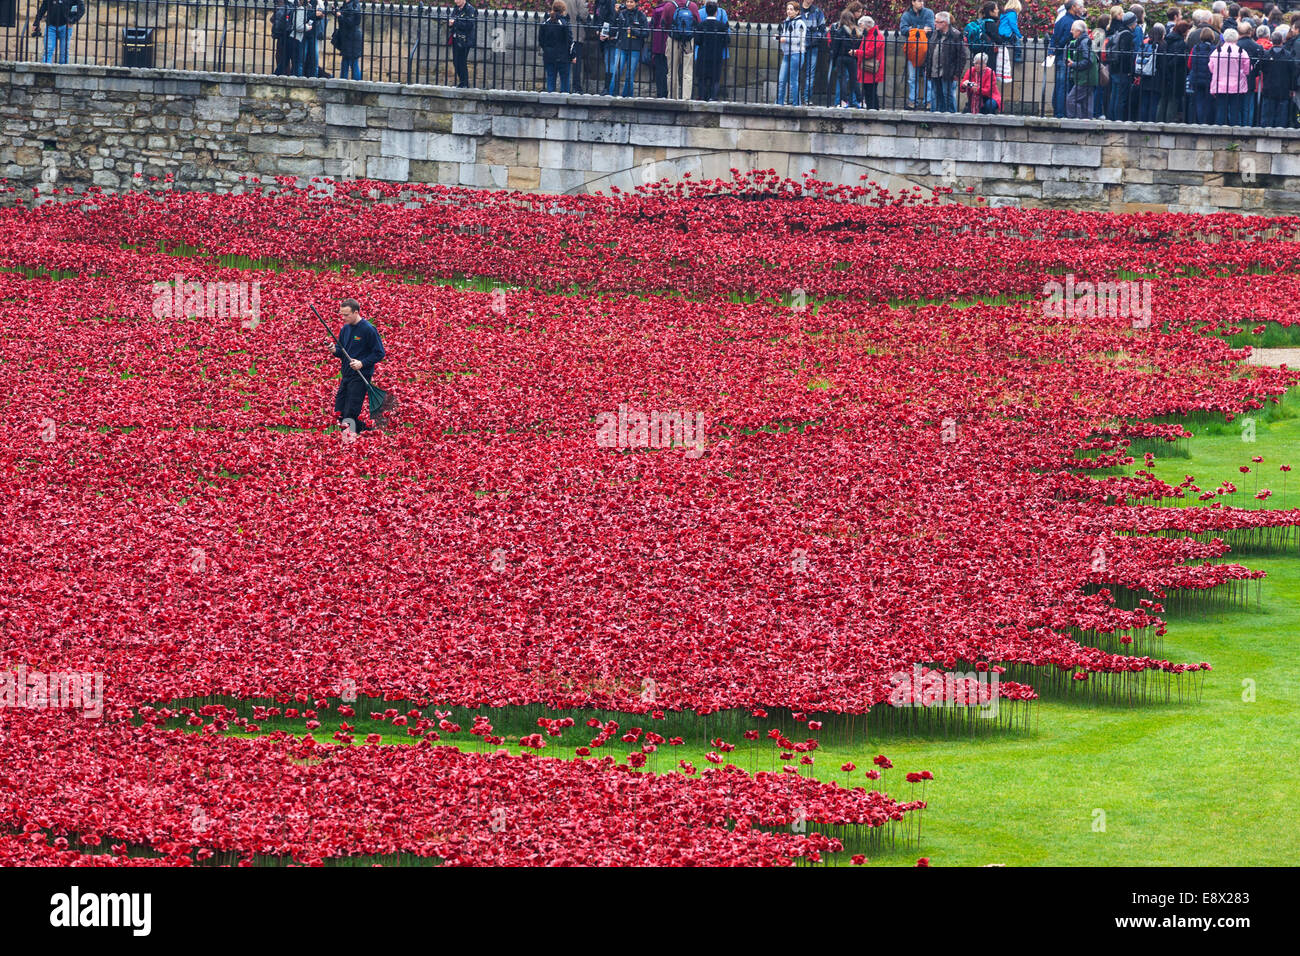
381 403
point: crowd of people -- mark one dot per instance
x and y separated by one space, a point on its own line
1228 65
298 32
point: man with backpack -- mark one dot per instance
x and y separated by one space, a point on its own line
60 17
981 35
915 26
683 17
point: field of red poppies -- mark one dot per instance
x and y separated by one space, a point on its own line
735 468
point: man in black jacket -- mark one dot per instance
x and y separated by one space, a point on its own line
60 16
1277 69
359 339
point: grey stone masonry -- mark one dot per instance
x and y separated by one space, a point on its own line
78 127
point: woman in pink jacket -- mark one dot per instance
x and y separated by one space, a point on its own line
1229 79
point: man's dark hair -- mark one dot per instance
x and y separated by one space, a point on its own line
352 304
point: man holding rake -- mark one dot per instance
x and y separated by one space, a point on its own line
358 347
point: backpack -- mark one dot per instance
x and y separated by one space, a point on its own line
1145 60
916 47
977 37
280 25
683 23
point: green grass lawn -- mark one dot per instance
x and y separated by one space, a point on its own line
1213 782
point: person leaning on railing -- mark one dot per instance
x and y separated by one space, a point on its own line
60 17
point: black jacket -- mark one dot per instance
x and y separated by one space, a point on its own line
631 28
1119 53
711 39
945 55
362 342
464 27
556 41
1252 48
60 13
350 29
1173 72
843 42
1278 69
1200 68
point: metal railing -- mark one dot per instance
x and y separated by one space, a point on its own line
408 44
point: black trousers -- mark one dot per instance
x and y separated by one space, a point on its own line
460 60
349 400
660 63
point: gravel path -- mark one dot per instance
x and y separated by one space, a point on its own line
1275 357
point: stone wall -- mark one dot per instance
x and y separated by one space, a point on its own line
84 126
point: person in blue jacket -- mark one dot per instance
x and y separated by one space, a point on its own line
1060 40
359 339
